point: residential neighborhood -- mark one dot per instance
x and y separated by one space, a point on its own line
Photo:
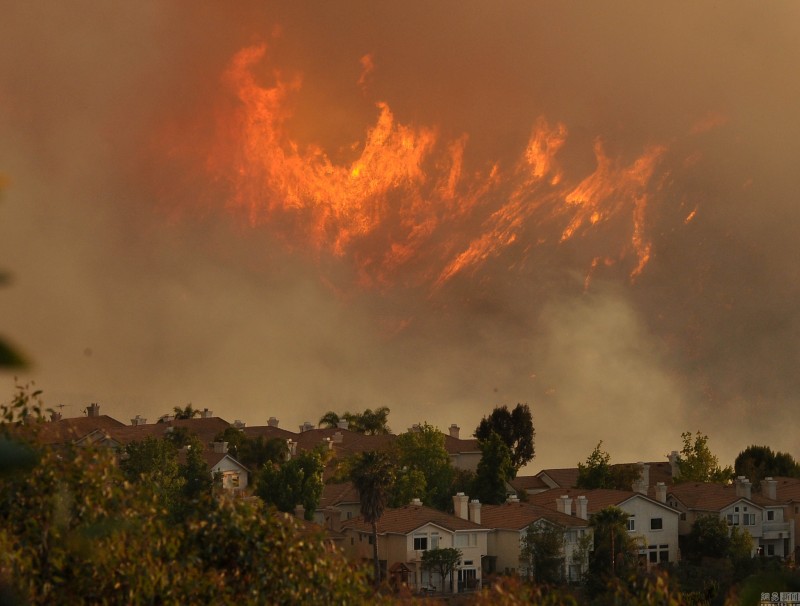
490 538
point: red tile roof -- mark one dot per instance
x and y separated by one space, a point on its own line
597 499
69 430
403 520
338 494
517 516
705 496
524 483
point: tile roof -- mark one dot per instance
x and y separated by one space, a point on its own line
205 429
523 483
706 496
69 430
338 494
563 478
516 516
597 498
403 520
457 445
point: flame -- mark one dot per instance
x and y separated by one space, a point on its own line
405 198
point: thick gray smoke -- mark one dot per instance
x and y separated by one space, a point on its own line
134 288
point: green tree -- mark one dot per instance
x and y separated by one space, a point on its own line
195 471
597 472
187 412
708 538
373 474
542 551
443 561
292 483
423 450
369 422
329 419
696 463
10 357
515 427
408 484
494 469
759 462
154 462
615 552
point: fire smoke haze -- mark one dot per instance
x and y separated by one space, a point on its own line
279 210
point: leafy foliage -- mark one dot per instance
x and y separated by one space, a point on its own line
597 472
615 552
696 463
369 422
423 451
542 551
442 560
759 462
516 430
292 483
494 469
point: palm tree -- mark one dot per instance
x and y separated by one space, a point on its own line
188 412
329 419
372 474
611 539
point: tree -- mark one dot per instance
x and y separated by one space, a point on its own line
373 474
292 483
408 484
442 560
423 450
696 463
187 412
759 462
597 472
9 355
154 462
615 551
195 471
369 422
515 428
542 551
708 538
494 469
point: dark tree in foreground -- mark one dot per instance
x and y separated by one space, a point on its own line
515 427
372 474
542 552
442 561
759 462
494 469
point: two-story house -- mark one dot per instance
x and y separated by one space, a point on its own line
405 533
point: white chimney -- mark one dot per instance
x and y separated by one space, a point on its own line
138 420
475 511
642 483
239 424
673 463
307 426
273 422
300 511
220 447
338 437
460 505
206 414
661 492
743 487
564 504
93 410
343 424
512 498
329 443
771 488
416 502
292 449
582 507
454 431
55 416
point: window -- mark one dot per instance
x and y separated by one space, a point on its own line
371 540
683 516
770 550
631 524
571 536
749 519
656 523
434 540
466 539
421 543
770 515
733 519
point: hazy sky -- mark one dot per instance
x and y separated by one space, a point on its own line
279 209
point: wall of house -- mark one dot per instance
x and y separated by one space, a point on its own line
643 513
232 474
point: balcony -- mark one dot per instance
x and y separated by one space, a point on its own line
776 530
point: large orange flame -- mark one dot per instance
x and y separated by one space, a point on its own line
406 197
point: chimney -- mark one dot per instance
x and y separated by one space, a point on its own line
292 449
771 486
454 431
661 492
743 487
55 416
220 447
329 443
460 505
338 437
273 422
582 507
343 424
673 463
93 410
138 420
642 483
417 503
206 414
299 511
564 504
307 426
512 498
239 424
475 511
414 428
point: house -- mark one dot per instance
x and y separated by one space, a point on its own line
405 533
786 491
652 523
234 476
341 498
509 523
761 516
